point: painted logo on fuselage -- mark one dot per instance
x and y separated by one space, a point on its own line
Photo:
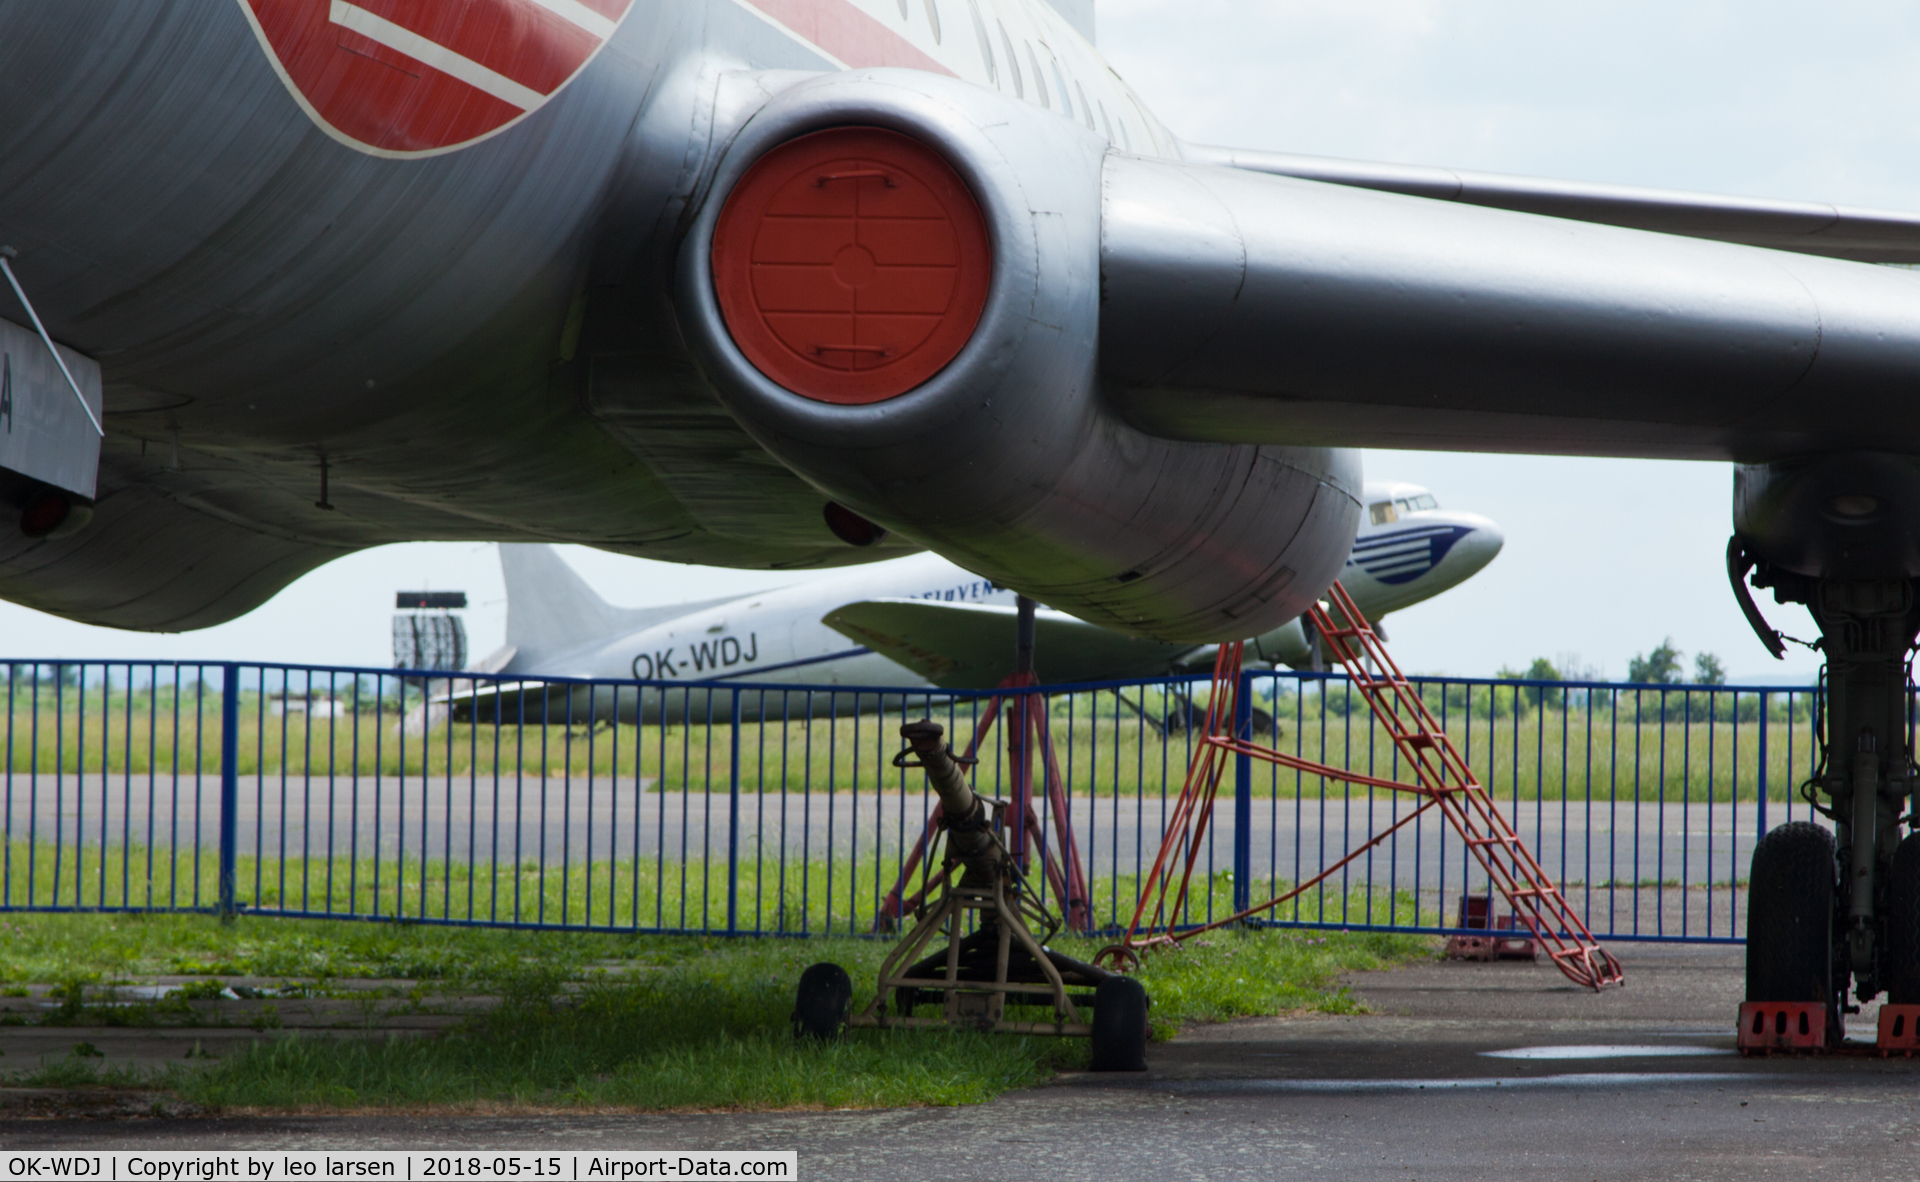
420 77
1403 555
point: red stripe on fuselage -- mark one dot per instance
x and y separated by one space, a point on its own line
849 34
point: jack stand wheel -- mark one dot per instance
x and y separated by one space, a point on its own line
1120 1025
1790 916
822 1002
1901 963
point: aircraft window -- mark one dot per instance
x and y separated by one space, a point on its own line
1013 60
1039 81
1060 80
986 46
1086 108
933 18
1425 502
1382 512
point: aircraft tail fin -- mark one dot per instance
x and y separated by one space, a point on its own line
550 609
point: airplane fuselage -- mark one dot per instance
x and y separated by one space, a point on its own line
466 341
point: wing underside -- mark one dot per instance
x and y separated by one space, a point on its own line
970 646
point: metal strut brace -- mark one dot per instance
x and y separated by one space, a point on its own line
1444 780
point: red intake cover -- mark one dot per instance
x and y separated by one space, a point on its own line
851 265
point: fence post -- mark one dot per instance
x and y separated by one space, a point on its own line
1760 820
229 784
1243 796
733 821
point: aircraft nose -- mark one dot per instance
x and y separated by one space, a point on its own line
1476 549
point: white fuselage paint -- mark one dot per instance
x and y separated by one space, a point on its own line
776 636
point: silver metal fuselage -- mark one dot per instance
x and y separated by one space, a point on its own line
478 344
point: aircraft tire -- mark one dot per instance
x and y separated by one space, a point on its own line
1790 915
1902 963
822 1002
1119 1025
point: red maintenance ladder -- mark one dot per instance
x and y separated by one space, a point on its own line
1444 782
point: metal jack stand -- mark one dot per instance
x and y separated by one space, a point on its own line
976 976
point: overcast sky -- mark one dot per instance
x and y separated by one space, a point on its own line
1604 558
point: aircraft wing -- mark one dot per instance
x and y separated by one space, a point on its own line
1807 227
970 646
1240 306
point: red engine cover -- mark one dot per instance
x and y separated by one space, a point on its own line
851 265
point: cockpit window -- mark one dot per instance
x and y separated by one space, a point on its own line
1415 504
1383 512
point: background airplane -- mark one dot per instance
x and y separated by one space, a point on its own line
921 621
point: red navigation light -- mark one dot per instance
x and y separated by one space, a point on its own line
851 265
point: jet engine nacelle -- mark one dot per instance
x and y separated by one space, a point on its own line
894 284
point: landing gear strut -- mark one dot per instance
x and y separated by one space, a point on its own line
1861 884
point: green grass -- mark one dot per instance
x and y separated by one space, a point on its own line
625 1022
107 948
839 896
1240 972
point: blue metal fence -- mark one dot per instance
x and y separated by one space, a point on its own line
748 809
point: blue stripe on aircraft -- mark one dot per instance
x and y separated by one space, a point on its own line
1405 555
1401 536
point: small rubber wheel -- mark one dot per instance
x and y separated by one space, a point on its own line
821 1004
1120 1025
1790 915
1901 966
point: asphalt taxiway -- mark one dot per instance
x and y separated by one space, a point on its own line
1459 1071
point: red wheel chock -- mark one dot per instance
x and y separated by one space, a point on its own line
1899 1030
1767 1026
